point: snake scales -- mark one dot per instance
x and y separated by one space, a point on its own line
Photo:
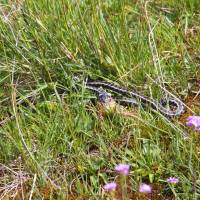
134 98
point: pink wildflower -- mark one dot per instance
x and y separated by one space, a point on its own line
144 188
173 180
122 169
194 121
109 187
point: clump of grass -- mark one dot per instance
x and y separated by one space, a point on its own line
47 119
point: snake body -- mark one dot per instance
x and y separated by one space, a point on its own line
134 98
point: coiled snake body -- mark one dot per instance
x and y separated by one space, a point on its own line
134 98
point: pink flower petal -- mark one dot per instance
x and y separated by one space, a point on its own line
109 187
194 121
173 180
144 188
122 169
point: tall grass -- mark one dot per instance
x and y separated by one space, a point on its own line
51 133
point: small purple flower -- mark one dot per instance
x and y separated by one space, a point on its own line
173 180
122 169
144 188
194 121
109 187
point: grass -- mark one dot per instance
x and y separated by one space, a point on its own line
53 143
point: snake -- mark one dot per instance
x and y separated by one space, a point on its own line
133 98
